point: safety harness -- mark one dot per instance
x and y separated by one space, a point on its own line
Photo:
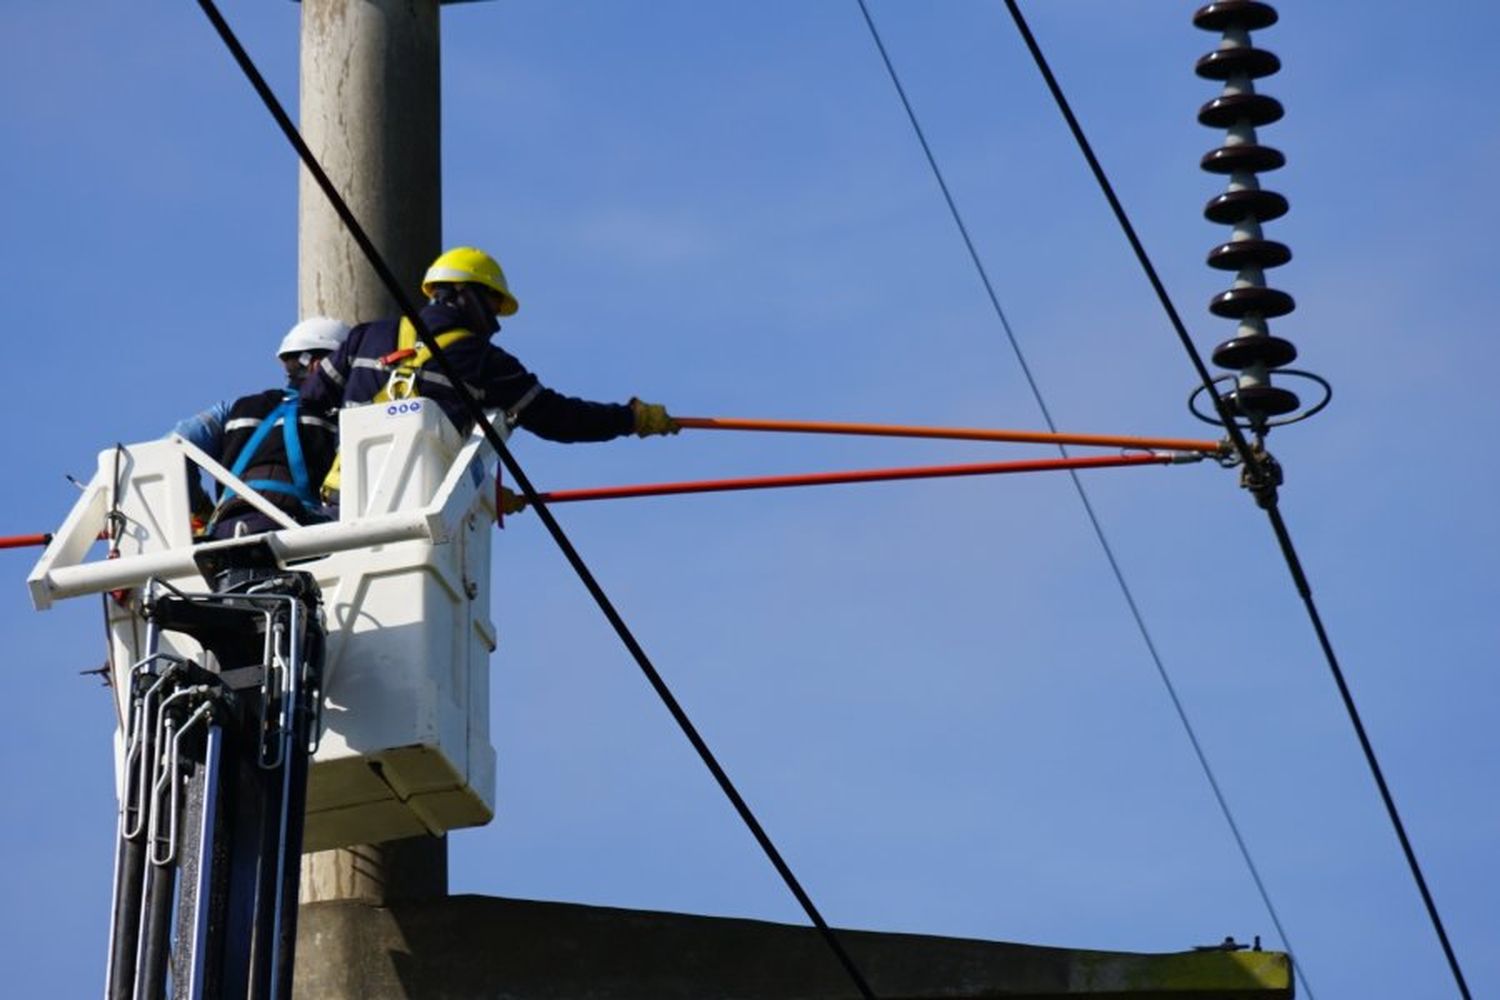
408 359
405 364
285 413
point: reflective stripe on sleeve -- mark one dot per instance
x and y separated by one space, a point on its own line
327 425
438 378
514 413
326 367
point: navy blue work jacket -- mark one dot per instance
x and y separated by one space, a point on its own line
317 438
354 374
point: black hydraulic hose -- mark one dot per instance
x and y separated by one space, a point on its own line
475 411
156 934
125 929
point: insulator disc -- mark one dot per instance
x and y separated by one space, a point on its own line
1257 109
1265 400
1239 353
1237 303
1232 206
1248 157
1248 14
1236 254
1221 64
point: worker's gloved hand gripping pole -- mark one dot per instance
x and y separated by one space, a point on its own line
475 411
651 419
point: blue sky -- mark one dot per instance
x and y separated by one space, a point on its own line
931 693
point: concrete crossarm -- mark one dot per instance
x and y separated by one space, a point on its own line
476 947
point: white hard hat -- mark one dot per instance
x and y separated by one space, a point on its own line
316 333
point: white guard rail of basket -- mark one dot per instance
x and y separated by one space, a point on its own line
61 572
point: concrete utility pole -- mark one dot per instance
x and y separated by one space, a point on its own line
370 113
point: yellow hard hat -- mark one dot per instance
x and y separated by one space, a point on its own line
470 265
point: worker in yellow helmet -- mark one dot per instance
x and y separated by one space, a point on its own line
467 294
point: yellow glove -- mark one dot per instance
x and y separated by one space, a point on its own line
511 502
652 418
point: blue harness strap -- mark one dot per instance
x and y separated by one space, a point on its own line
286 412
291 438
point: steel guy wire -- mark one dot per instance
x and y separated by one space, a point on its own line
1273 512
1109 554
409 310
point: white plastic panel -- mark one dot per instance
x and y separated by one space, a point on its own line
405 748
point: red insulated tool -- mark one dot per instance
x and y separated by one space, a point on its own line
1143 451
23 541
861 476
953 434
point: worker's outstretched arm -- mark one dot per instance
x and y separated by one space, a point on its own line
508 386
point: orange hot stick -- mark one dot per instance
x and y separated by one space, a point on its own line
861 476
950 433
24 541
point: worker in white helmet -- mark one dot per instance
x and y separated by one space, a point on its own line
304 345
227 432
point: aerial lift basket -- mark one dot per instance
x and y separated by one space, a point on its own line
404 748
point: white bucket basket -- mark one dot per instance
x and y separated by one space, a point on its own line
406 740
405 746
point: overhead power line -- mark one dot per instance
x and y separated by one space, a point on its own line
476 412
1109 554
1266 499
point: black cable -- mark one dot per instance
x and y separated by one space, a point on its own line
476 411
1283 537
1304 590
1088 507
